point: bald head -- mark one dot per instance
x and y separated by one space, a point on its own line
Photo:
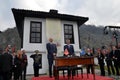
50 40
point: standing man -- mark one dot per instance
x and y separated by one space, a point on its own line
89 67
108 59
24 63
101 63
114 53
13 65
6 65
118 55
52 51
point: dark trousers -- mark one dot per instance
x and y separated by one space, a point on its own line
110 67
6 75
50 63
12 72
17 73
116 67
102 69
90 67
24 72
23 75
1 76
36 71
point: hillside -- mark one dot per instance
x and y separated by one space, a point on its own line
93 36
10 36
90 36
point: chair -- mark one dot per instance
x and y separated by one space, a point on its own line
76 68
63 68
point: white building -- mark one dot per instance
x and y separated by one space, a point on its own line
36 27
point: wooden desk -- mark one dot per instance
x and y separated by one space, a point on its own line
71 61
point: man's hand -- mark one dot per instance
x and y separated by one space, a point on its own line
54 54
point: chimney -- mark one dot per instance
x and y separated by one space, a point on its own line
53 11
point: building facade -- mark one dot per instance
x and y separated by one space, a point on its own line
36 27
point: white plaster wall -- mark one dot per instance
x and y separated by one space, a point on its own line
26 43
31 47
53 30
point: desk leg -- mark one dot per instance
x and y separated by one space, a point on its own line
93 71
56 73
87 71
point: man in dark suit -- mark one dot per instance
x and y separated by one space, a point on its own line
89 67
101 63
114 53
118 55
108 59
24 64
69 48
6 65
52 50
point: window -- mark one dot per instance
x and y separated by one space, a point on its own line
35 32
68 33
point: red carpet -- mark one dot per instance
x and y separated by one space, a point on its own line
75 78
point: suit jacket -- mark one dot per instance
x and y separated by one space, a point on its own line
118 56
6 62
17 62
108 57
37 60
70 49
114 54
100 59
24 60
51 48
88 54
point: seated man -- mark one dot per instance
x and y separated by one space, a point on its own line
68 48
69 51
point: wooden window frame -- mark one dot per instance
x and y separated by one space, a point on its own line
70 32
35 32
